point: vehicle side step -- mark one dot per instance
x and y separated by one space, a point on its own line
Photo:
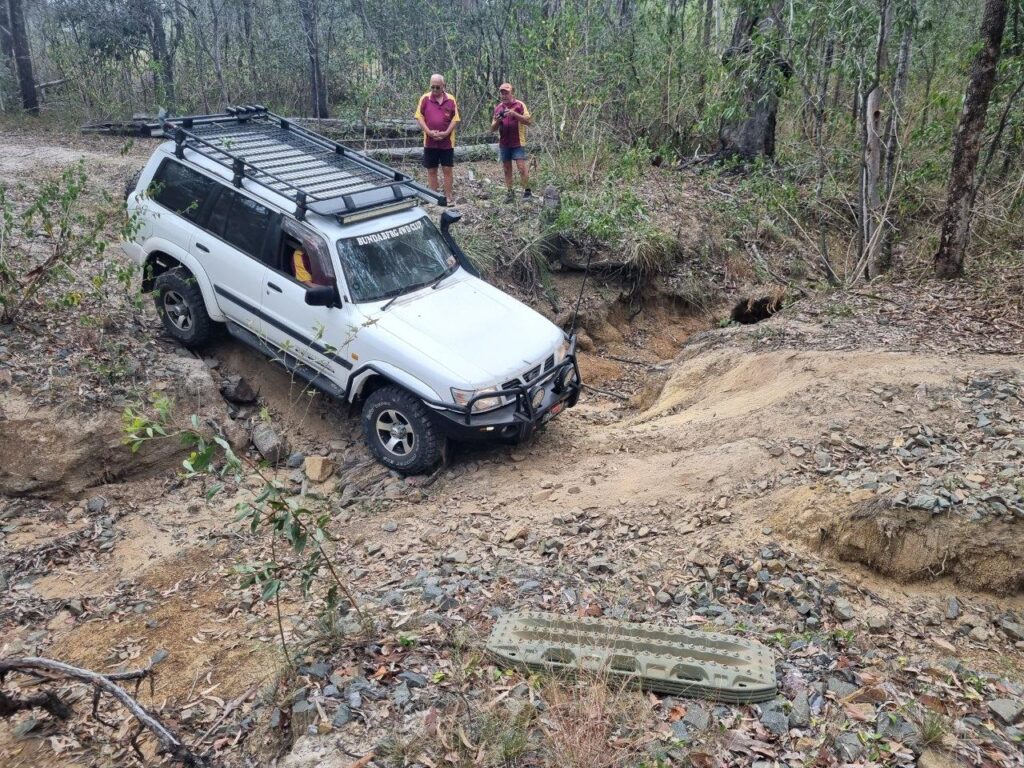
296 366
680 662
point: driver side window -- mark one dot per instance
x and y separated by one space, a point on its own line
303 255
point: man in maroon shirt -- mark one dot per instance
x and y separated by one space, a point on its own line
510 120
437 113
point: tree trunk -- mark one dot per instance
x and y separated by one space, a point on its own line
753 135
151 14
310 11
626 11
956 225
6 49
899 96
997 139
871 199
250 46
23 57
892 140
217 52
1018 38
705 38
872 213
817 102
6 41
158 39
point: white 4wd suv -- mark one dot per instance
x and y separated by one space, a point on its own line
321 257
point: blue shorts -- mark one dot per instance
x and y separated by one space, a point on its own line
508 154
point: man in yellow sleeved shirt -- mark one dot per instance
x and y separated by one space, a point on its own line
437 113
510 120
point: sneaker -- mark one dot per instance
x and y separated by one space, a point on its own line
510 196
527 194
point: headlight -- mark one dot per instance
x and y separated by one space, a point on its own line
463 396
562 351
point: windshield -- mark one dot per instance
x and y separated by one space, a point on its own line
394 261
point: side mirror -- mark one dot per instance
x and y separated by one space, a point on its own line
448 218
322 296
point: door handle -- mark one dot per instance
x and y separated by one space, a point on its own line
202 248
274 287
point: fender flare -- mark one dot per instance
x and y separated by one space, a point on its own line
358 378
156 245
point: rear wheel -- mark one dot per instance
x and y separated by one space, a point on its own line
179 302
399 431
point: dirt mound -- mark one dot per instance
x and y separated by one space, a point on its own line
885 459
45 451
906 544
768 390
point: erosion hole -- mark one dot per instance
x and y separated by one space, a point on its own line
750 310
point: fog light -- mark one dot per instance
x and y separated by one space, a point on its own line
565 379
537 399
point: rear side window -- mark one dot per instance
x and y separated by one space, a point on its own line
181 189
241 221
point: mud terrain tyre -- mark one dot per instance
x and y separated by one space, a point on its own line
399 431
179 302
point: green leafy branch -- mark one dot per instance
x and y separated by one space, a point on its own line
284 517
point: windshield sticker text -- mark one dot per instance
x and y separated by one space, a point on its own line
388 234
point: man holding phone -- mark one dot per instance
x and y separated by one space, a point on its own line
510 120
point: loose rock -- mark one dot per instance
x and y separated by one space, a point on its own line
271 446
236 389
1007 710
842 609
318 468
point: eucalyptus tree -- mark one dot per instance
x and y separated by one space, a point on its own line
22 56
309 10
956 223
759 72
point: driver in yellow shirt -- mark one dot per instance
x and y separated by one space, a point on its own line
300 266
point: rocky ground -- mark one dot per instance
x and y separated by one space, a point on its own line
841 482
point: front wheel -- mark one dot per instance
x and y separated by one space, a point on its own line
399 431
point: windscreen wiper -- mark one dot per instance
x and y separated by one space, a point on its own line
447 272
392 300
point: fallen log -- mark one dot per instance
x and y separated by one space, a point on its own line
462 153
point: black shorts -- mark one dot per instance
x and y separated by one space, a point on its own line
434 157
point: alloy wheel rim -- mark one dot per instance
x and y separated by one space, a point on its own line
177 310
395 432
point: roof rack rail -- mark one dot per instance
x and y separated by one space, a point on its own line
319 174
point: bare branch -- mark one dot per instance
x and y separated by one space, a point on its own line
169 742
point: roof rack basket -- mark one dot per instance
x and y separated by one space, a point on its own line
319 174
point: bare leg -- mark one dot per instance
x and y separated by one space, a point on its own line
432 178
523 174
449 182
507 164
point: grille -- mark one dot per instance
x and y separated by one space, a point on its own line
531 374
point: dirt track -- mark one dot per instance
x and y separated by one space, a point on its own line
710 463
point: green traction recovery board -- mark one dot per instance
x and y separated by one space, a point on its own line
680 662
